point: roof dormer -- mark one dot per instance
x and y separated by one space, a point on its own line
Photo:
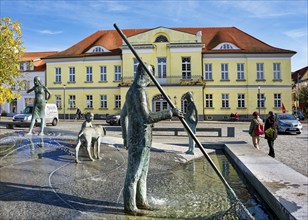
226 46
97 49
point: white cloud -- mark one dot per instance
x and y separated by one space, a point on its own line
296 33
264 9
49 32
116 7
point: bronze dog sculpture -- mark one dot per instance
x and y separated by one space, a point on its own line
92 136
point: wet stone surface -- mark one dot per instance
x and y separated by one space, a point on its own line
39 179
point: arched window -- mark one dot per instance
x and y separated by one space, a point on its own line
161 38
183 104
159 103
226 47
98 49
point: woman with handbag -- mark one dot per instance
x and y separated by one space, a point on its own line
271 132
254 129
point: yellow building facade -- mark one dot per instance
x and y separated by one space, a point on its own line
227 70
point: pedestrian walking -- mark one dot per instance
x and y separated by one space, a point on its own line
271 132
255 129
78 114
237 117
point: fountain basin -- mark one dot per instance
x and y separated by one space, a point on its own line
283 189
39 173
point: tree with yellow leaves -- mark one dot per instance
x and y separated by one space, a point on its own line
11 51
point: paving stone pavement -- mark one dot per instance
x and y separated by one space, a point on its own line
290 149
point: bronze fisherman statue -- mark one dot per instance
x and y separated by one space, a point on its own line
137 135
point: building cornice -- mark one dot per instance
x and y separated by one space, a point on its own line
138 46
93 59
247 56
185 45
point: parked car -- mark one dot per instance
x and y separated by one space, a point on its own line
113 119
299 114
288 123
24 119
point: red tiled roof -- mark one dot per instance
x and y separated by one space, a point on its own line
211 37
298 74
220 37
36 58
30 56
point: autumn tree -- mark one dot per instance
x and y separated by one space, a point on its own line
11 51
303 98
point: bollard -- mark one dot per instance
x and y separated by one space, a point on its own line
230 132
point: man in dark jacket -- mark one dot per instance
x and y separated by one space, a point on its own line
271 123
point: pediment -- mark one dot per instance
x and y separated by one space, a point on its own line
172 36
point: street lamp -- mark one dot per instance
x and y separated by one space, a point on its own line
203 87
263 101
64 100
259 99
297 94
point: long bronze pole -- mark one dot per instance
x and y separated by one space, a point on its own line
173 106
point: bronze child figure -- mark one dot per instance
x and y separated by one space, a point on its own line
41 95
191 118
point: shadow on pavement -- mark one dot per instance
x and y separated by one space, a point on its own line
45 195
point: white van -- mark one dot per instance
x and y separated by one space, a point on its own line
51 116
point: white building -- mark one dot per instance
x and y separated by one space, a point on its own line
31 65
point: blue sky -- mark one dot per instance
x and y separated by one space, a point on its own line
55 25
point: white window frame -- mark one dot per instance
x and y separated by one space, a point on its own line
208 71
260 71
277 100
22 66
186 68
240 71
117 73
72 74
103 73
58 74
26 66
225 100
103 102
241 100
72 101
209 100
98 49
226 47
224 71
276 71
162 67
117 101
261 100
89 74
58 101
89 101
